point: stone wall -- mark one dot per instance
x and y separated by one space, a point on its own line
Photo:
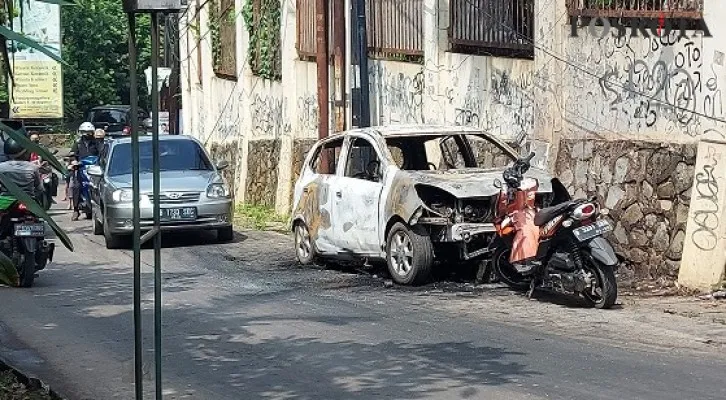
55 140
262 162
646 189
228 151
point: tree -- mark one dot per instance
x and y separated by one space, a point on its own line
8 273
95 46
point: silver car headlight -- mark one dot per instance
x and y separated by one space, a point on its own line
217 191
122 196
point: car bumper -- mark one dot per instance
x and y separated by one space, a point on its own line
466 231
210 215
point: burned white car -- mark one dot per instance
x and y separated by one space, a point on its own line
409 195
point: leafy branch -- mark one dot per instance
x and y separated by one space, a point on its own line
263 26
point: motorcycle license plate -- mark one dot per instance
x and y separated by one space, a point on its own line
179 214
30 230
599 228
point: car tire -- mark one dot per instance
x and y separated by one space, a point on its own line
305 251
409 254
97 226
112 241
225 234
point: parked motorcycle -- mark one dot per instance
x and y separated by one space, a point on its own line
560 247
22 239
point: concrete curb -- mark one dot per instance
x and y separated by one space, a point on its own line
30 381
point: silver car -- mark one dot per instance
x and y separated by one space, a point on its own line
193 195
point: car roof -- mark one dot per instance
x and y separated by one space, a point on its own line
413 130
113 107
147 138
392 131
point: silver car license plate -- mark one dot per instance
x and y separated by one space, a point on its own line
179 214
30 230
587 232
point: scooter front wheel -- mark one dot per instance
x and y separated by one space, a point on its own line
506 271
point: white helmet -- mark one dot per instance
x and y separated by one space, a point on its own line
87 127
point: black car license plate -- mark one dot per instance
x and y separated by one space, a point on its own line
179 214
30 230
588 232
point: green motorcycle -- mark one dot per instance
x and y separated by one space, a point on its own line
22 239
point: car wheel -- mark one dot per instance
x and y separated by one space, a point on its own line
97 226
304 247
112 241
225 234
409 253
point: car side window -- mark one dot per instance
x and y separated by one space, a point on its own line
326 158
362 161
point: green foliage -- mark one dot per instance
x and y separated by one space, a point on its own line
259 217
263 26
95 45
213 24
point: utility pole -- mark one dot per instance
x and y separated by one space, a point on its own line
365 102
339 69
321 39
174 79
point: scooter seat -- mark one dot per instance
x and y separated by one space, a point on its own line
546 215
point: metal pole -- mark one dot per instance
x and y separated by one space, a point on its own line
156 189
321 38
138 349
365 102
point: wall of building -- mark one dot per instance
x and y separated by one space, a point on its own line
623 119
618 118
264 128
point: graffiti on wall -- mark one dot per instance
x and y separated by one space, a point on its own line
397 96
707 215
268 116
658 83
307 113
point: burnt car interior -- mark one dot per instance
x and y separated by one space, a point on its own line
363 161
416 153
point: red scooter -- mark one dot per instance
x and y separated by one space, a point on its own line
561 248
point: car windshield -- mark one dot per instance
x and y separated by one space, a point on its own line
109 116
174 155
446 152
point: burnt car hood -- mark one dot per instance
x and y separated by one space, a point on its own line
464 183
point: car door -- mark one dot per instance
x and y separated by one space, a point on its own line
356 191
313 196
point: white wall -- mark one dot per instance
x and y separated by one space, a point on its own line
633 89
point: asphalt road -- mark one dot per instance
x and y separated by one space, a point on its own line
241 321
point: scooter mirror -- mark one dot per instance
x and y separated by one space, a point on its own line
497 183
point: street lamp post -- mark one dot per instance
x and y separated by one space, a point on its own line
132 8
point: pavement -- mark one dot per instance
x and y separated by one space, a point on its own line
243 321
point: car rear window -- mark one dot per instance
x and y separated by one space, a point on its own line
174 155
109 116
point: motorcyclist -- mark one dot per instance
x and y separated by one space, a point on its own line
86 145
24 173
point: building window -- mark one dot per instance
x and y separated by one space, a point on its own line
224 44
394 29
492 27
692 9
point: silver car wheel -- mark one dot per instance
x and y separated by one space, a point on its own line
401 253
304 245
